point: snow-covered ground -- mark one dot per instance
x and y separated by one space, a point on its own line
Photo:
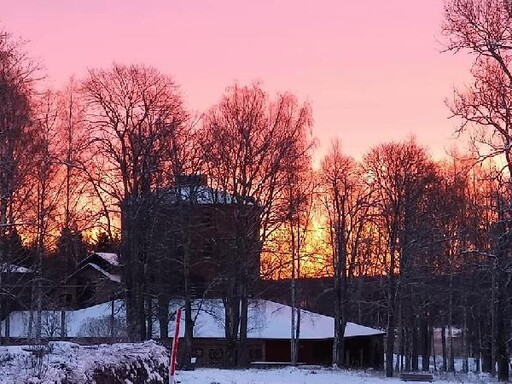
306 376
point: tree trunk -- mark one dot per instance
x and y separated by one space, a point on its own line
339 326
186 232
7 321
63 323
293 340
189 334
399 366
465 340
232 321
451 357
443 344
39 309
112 321
390 329
243 356
163 315
149 318
425 333
493 317
133 258
433 344
503 329
414 344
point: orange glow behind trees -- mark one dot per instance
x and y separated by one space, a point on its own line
460 192
315 255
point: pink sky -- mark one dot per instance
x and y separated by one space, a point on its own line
372 69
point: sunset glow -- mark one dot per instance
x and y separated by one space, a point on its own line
315 255
349 160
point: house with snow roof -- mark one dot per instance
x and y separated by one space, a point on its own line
269 325
97 279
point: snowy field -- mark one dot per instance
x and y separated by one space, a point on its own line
306 376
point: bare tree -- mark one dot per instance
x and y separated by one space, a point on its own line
250 144
74 154
136 115
46 192
345 199
18 74
484 29
75 213
299 195
399 174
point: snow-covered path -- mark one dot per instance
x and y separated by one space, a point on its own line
301 376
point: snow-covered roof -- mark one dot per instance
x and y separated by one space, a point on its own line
267 320
200 194
12 268
76 320
354 330
110 276
270 320
203 195
111 258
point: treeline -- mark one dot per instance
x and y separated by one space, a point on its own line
414 244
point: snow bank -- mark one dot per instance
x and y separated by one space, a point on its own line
69 363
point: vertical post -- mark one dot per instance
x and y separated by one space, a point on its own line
493 319
174 350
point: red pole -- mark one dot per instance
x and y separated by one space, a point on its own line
174 350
